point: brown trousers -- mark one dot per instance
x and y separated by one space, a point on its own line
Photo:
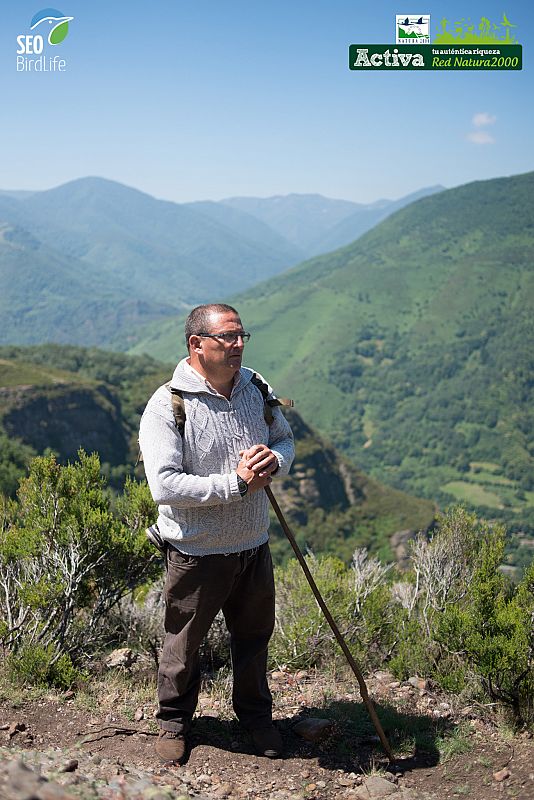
196 589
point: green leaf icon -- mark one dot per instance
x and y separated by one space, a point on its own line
58 33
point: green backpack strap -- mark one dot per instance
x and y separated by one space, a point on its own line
269 402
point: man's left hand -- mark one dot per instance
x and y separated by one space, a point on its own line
260 460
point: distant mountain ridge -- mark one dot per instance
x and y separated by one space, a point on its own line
317 224
144 241
350 228
93 261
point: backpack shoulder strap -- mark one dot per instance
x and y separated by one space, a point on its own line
178 412
269 402
178 407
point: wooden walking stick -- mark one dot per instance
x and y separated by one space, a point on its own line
337 633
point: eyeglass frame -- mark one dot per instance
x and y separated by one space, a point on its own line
235 336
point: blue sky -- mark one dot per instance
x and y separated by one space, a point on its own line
208 99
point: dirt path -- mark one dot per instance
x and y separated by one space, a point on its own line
107 752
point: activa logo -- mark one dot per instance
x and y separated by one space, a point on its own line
51 25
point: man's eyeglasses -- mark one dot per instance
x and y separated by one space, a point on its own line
228 337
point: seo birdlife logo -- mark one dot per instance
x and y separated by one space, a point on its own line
51 28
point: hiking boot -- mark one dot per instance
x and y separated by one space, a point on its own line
171 747
267 742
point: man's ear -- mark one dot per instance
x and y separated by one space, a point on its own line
195 343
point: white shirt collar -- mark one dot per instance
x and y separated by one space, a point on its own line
205 381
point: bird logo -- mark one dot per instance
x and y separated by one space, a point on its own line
57 22
413 30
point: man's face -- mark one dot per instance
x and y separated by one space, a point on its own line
218 358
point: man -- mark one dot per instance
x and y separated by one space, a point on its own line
208 481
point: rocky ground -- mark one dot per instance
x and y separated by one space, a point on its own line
98 744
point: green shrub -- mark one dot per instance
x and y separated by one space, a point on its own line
302 636
373 631
492 630
462 619
413 654
31 665
452 676
36 665
357 598
65 560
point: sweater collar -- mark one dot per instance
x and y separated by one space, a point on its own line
187 379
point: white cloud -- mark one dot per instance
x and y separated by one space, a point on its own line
482 119
480 137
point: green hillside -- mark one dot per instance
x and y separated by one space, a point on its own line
45 296
20 373
334 507
412 347
64 398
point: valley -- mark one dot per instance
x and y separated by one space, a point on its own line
409 348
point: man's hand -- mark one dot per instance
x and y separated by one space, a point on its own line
256 466
260 459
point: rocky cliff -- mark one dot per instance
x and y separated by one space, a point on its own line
64 418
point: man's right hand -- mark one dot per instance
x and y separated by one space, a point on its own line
255 482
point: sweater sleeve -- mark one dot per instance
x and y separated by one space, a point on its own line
161 446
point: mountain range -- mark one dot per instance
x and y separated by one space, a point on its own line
93 261
412 347
316 224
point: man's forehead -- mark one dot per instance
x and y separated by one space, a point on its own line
217 318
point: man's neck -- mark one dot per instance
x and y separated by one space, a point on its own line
223 388
221 385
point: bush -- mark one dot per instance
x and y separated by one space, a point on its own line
413 654
357 598
38 666
65 560
462 619
493 630
302 636
14 459
454 617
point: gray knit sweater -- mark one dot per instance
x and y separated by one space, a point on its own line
193 478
